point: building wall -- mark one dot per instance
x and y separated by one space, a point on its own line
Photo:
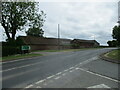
38 43
48 47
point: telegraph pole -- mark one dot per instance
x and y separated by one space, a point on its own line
94 37
58 37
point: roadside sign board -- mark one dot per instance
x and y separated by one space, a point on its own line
25 47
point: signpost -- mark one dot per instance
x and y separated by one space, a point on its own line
25 48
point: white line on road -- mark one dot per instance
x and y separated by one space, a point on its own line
40 81
38 87
63 74
77 68
71 68
59 73
57 77
100 75
18 60
66 70
99 86
29 86
20 67
50 76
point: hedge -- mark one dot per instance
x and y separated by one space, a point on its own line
9 50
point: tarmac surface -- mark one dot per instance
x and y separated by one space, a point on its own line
77 69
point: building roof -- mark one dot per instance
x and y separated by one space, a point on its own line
87 41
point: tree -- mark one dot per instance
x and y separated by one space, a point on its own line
112 43
116 34
16 16
37 24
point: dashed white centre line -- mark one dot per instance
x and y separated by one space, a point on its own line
29 86
76 68
63 74
59 73
45 84
20 67
66 70
50 77
57 77
71 68
40 81
38 87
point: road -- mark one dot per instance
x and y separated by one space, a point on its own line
77 69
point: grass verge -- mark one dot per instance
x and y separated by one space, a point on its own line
64 50
14 57
115 54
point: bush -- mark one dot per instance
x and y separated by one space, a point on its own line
12 47
9 50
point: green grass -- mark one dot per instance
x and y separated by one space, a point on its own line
115 54
13 57
65 50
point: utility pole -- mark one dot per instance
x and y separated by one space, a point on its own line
58 37
94 37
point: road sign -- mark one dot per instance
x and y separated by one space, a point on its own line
25 47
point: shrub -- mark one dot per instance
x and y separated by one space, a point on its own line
9 50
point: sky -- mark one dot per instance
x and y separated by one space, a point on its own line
81 20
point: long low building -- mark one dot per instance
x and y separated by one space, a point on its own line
39 43
80 43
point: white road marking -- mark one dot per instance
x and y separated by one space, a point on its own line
29 86
99 86
40 81
17 74
71 68
50 76
57 77
100 75
59 73
77 68
38 87
89 60
18 60
66 70
20 67
45 84
63 74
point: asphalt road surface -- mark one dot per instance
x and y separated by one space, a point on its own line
77 69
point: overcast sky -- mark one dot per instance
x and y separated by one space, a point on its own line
81 20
